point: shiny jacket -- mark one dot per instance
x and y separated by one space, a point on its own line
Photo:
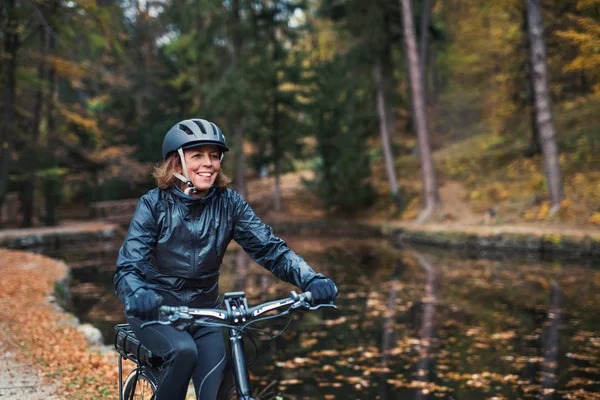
175 245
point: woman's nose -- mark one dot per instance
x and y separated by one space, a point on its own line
206 160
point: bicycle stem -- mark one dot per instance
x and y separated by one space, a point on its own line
242 379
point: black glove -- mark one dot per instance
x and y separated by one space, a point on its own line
323 291
143 305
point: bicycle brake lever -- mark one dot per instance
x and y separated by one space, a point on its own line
313 308
149 323
301 305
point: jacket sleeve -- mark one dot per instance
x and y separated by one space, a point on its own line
134 255
271 252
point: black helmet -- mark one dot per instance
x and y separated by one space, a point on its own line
190 133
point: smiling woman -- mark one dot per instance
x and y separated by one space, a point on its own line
174 249
203 165
182 158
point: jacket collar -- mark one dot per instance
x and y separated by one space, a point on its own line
191 200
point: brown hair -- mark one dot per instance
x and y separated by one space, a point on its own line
163 173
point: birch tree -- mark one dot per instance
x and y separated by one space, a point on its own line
547 135
417 94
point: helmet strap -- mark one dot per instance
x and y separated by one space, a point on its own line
185 178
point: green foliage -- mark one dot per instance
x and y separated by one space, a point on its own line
343 125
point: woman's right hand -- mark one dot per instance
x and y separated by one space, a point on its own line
143 304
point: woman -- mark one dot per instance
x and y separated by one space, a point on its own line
174 249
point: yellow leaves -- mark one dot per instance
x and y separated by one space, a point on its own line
586 38
582 4
337 321
494 193
89 124
595 218
504 335
583 63
544 209
66 68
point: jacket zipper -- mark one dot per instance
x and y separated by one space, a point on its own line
194 222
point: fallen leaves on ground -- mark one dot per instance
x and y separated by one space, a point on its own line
47 337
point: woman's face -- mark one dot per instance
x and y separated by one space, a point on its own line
203 165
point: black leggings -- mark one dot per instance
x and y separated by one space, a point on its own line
197 354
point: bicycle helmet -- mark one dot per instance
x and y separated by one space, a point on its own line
190 133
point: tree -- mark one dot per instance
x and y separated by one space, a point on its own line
418 101
371 31
341 115
384 131
12 42
543 106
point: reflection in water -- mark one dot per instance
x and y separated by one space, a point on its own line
387 340
481 321
552 341
426 331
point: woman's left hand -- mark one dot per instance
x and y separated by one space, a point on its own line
323 291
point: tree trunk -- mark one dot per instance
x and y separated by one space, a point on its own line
52 188
385 137
387 79
275 124
240 159
28 185
11 46
429 181
236 115
534 139
425 14
276 178
543 105
26 201
241 259
433 76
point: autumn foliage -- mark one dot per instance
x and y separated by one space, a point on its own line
45 336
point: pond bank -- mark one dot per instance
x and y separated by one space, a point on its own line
46 239
527 240
530 240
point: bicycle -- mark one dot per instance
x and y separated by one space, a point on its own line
142 382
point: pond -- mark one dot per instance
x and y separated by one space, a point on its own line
410 325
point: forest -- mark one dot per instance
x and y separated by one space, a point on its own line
392 109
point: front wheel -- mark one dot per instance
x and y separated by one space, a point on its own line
138 386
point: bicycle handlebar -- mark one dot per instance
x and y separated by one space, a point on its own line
237 314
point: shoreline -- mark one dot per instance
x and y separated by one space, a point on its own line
528 240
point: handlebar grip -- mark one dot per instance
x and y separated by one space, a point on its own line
159 300
309 297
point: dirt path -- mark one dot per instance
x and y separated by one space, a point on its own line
20 379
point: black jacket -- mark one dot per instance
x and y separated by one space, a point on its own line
175 245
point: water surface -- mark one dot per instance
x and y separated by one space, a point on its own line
410 325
